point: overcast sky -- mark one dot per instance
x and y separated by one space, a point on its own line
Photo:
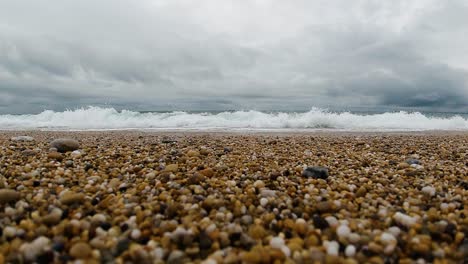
227 54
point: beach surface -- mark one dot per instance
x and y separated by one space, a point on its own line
243 197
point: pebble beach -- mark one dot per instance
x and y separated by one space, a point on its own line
198 197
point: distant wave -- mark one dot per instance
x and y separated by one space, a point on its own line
109 118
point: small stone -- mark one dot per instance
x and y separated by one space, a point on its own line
320 222
343 231
259 184
8 195
176 257
429 190
263 201
53 218
403 165
136 233
193 153
332 248
65 144
412 161
32 250
172 168
22 138
207 172
28 152
350 251
71 197
80 250
324 207
196 178
55 155
316 172
361 191
9 231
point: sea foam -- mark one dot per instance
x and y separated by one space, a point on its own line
92 118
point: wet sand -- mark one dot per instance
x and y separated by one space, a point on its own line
241 197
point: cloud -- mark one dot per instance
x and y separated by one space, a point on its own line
230 54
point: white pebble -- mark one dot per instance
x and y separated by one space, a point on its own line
332 247
354 238
429 190
98 218
394 230
277 242
286 251
404 219
332 221
387 238
31 250
343 231
350 251
136 233
209 261
9 231
444 206
263 201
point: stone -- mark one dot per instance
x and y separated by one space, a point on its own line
22 138
196 178
412 161
28 152
80 250
8 195
55 155
193 153
65 144
71 198
207 172
176 257
316 172
172 168
324 207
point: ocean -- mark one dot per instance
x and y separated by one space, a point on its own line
101 118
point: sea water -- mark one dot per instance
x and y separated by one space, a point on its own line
99 118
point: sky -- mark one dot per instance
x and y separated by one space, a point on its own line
233 54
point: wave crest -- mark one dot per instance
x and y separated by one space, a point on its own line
109 118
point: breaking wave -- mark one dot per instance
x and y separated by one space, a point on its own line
92 118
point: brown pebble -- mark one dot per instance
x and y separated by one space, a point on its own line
8 195
71 197
55 156
172 168
207 172
80 250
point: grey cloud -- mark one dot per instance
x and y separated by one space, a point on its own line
172 54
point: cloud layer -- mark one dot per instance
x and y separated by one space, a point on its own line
268 54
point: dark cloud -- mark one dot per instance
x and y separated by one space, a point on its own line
232 54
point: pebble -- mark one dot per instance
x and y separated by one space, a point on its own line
404 219
350 251
429 190
250 204
32 250
8 195
71 198
65 144
332 248
55 155
343 231
80 250
22 138
172 168
316 172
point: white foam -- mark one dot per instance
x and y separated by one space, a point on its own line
96 118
